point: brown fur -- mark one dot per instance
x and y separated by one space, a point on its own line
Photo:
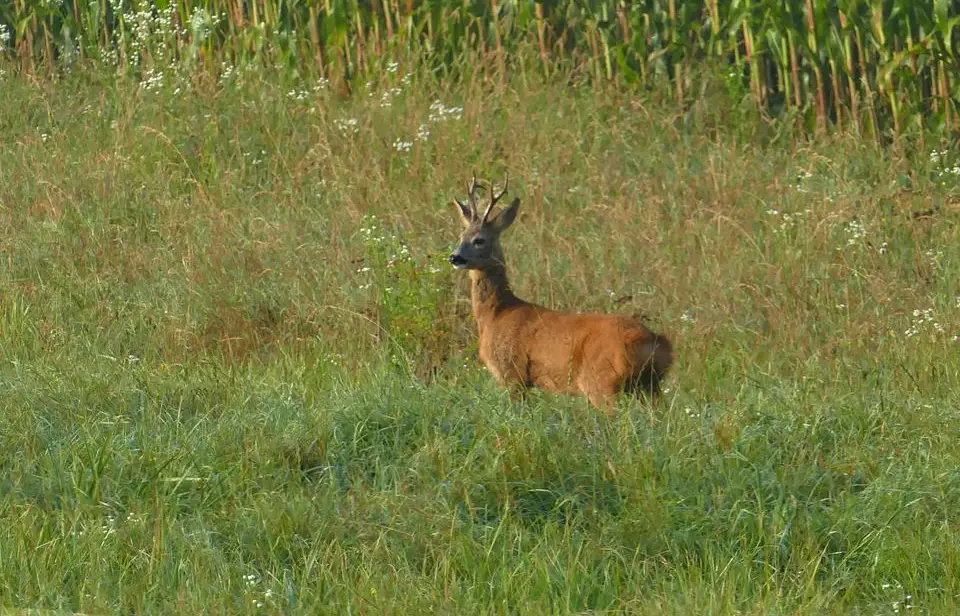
525 345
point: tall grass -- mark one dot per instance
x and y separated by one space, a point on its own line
237 376
878 66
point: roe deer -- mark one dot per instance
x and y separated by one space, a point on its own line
524 345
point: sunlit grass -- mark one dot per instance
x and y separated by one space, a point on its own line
238 375
877 68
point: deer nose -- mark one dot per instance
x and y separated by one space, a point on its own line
456 259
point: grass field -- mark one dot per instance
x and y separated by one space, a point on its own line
238 374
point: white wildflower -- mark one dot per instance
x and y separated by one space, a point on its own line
924 320
226 72
299 95
939 158
933 256
440 112
152 80
347 126
4 37
856 231
788 220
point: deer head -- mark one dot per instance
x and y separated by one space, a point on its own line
480 242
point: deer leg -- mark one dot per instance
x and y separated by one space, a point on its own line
603 402
517 392
645 385
515 384
601 391
602 397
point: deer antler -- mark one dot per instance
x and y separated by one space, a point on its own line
472 193
495 196
471 196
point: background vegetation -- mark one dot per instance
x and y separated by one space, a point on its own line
871 65
238 375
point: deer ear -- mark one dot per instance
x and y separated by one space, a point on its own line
506 217
466 214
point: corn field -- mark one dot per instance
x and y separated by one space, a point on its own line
876 66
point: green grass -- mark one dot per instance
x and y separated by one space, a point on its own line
874 66
210 404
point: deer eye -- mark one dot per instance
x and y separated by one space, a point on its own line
479 241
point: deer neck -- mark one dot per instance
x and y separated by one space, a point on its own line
491 292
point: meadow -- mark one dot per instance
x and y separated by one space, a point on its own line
238 374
